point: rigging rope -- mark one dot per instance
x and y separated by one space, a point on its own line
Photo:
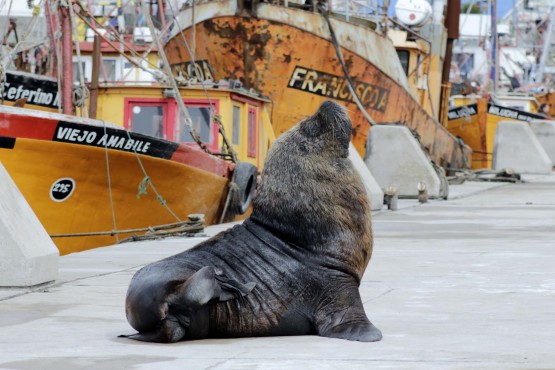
147 182
58 47
28 31
157 76
339 54
80 93
173 84
2 81
110 183
5 30
213 116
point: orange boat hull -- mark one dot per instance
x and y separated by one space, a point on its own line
37 165
476 123
299 70
75 185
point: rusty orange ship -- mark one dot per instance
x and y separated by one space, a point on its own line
288 52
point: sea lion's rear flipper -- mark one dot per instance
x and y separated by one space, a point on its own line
209 283
342 316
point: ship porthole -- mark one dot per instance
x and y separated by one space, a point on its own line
62 189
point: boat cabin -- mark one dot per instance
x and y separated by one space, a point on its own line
153 111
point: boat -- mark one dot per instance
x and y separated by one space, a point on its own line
83 177
497 78
302 54
93 183
475 123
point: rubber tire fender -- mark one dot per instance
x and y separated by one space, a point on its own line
244 177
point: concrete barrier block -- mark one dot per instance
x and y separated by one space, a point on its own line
545 132
515 146
27 254
372 188
395 158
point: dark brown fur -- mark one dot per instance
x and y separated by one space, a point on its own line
292 268
311 194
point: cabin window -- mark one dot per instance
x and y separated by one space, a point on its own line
201 124
201 116
465 62
236 130
109 72
252 127
77 72
404 58
148 119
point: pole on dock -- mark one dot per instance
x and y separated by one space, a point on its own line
94 77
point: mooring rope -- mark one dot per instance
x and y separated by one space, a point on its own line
193 226
147 182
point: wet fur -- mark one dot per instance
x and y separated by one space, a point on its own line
292 268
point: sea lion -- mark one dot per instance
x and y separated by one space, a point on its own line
292 268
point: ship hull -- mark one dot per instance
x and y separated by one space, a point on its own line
288 55
476 123
81 178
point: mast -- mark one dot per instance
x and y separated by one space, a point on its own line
50 27
67 62
494 47
94 78
451 22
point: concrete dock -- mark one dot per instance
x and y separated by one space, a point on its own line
467 283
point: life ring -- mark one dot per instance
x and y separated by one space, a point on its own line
244 179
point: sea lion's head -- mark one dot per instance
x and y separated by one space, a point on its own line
327 132
310 194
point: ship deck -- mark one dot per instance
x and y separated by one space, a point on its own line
467 283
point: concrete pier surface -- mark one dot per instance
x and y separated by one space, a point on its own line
467 283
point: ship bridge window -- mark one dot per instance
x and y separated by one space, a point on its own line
404 58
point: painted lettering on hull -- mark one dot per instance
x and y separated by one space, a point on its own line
38 91
336 87
113 139
464 111
512 113
195 72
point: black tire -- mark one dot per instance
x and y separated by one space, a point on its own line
244 177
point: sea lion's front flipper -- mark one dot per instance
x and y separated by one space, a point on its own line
209 283
157 336
341 315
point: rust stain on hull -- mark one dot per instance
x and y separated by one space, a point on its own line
299 70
